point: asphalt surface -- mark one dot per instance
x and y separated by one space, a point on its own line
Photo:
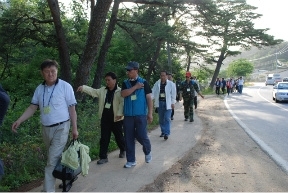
113 177
263 120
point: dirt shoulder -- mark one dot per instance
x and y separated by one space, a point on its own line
224 159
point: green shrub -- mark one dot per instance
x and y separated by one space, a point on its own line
24 153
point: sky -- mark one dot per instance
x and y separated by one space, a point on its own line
274 17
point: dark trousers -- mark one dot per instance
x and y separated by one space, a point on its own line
218 90
188 108
229 90
106 128
223 89
136 127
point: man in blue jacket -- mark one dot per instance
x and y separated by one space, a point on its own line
137 97
4 103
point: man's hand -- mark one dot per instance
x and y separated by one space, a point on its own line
139 85
80 88
172 106
15 126
149 118
75 133
118 118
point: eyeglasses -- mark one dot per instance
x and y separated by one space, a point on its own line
128 70
47 72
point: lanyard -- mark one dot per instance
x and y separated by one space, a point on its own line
109 99
50 95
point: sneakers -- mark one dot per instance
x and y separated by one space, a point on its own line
192 120
165 137
148 157
162 135
186 119
130 164
102 161
122 154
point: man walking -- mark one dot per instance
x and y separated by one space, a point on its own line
170 77
187 90
240 84
4 103
195 97
111 114
217 86
137 97
223 85
56 102
164 95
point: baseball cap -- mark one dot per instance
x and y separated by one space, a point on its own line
132 65
188 74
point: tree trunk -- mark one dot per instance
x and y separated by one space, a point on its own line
188 62
65 71
153 61
95 32
219 63
169 57
105 46
217 70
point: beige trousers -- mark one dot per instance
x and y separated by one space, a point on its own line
55 139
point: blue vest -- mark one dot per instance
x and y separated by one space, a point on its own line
135 107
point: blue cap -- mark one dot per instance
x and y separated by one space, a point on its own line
132 66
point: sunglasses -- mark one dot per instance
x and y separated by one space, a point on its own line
128 70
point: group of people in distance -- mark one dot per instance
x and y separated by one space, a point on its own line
231 85
124 111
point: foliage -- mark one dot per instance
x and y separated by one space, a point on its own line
208 91
227 25
24 153
240 67
142 34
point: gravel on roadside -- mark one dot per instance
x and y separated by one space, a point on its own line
224 159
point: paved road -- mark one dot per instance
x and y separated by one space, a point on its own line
264 120
112 177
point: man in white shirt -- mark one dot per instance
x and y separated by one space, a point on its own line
164 95
170 77
56 102
240 84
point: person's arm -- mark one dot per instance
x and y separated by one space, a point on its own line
129 91
150 107
173 96
120 102
198 90
26 115
89 90
154 91
73 118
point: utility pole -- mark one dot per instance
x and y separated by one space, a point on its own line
169 57
276 61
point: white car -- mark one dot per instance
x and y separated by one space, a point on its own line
280 92
269 81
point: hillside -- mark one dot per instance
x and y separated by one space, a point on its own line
265 58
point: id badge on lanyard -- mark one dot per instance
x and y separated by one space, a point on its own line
46 110
107 106
133 97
